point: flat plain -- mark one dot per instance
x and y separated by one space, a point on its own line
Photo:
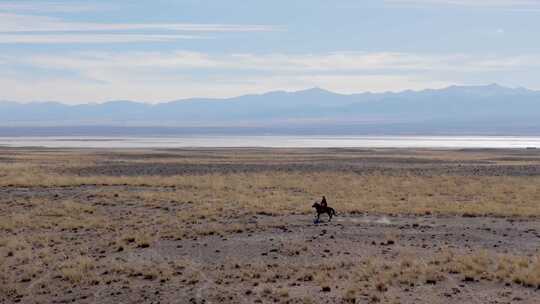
236 226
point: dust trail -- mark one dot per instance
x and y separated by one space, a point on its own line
382 220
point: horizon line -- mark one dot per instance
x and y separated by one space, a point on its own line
492 84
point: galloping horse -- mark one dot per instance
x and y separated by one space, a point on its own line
324 209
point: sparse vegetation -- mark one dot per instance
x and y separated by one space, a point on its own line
104 236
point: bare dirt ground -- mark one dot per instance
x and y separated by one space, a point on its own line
235 226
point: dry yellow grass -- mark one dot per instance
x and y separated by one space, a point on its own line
286 192
48 214
78 269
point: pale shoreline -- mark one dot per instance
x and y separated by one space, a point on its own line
272 141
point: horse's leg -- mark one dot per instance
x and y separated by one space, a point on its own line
330 216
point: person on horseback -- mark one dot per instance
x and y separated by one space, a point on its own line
323 202
322 208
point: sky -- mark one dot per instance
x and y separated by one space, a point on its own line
162 50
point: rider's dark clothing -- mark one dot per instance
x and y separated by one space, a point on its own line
323 202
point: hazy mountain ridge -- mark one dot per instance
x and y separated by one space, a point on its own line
490 105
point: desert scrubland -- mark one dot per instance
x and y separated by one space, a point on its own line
236 226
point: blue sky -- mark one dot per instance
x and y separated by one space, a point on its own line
154 51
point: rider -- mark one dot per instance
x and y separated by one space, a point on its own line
324 204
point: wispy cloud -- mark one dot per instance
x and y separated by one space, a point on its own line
161 76
90 38
281 62
10 23
21 28
51 6
509 4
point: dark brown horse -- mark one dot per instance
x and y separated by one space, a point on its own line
324 209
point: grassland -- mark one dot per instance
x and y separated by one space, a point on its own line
235 225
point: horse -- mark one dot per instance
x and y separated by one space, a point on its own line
324 209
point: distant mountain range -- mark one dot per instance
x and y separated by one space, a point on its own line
490 109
